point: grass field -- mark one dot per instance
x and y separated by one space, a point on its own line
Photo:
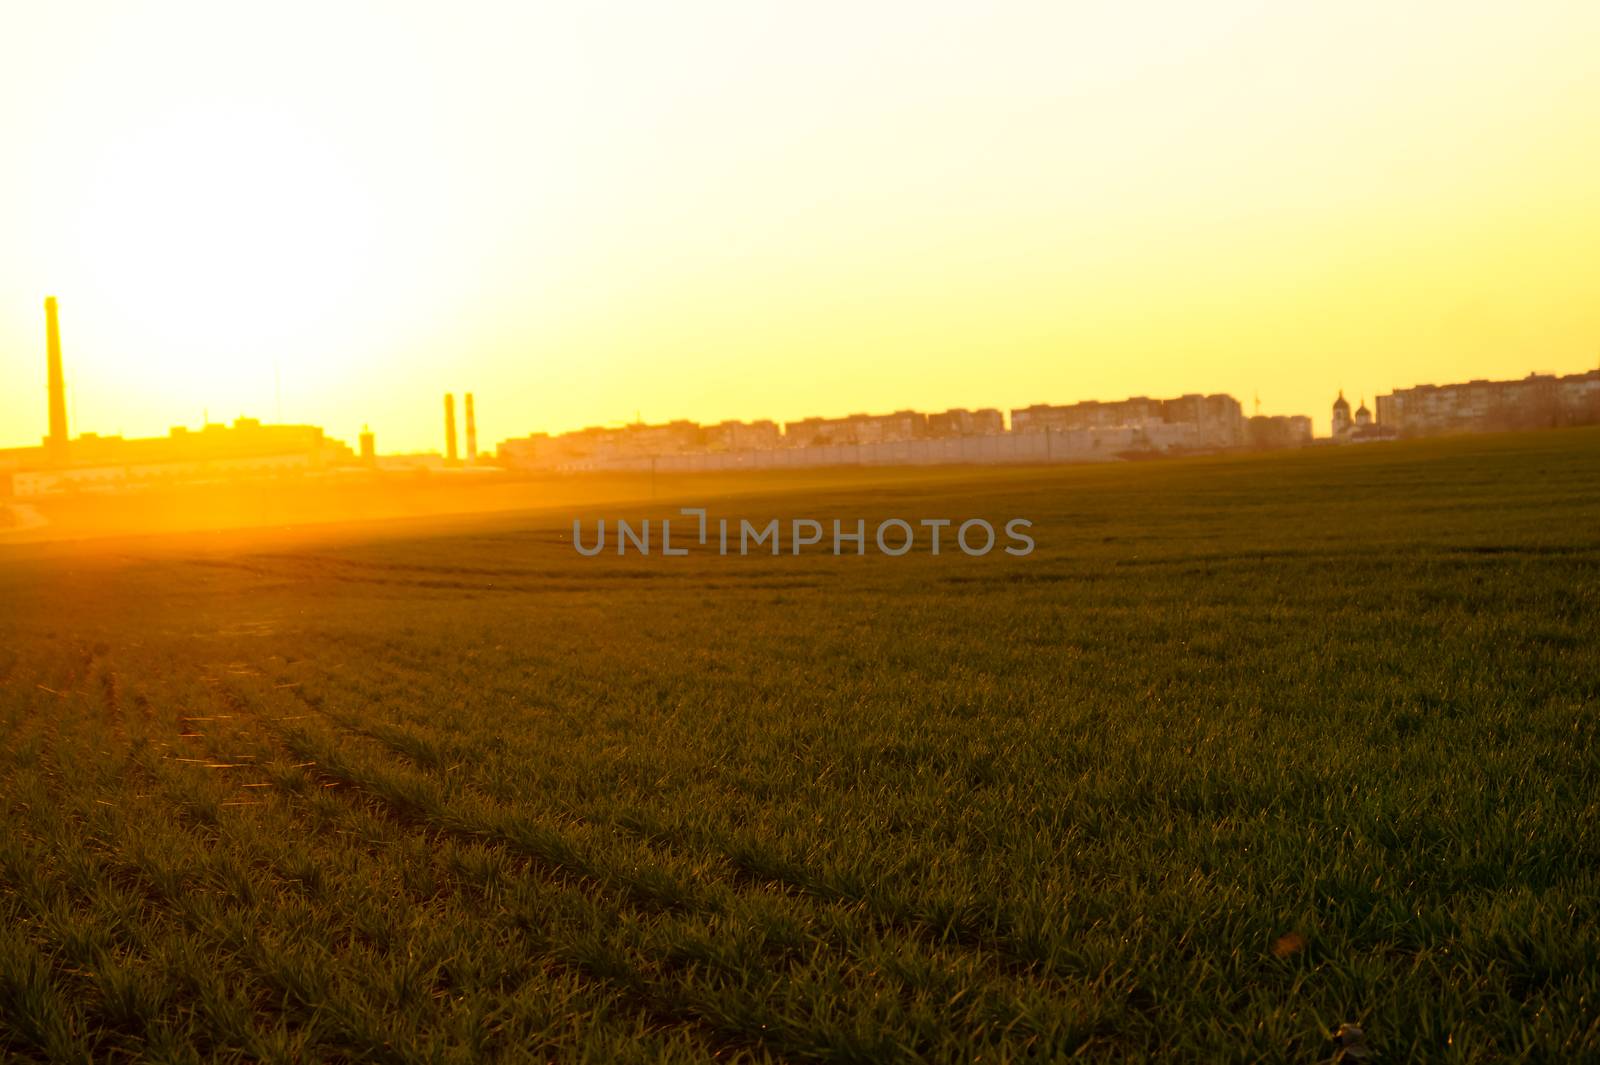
1247 749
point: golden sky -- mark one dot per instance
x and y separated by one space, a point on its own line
577 211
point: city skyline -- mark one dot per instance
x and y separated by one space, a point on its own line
1533 401
1087 431
725 212
443 444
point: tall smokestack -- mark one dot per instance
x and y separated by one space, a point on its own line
57 441
472 432
450 428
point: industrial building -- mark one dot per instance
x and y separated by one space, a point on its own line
244 449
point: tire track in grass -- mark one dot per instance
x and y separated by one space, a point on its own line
350 1026
599 965
34 1015
595 949
1019 943
78 875
592 968
111 700
753 863
750 861
269 959
103 873
31 710
648 888
162 883
744 1021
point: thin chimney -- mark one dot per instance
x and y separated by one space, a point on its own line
57 441
450 428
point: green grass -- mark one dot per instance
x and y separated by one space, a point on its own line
1248 749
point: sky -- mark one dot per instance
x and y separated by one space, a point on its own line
336 212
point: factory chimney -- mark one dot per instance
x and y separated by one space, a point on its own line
450 428
57 440
472 431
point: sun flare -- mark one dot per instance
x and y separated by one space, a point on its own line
257 230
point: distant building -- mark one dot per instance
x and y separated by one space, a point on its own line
1090 414
1186 421
1342 423
534 451
961 422
596 445
1077 432
611 448
215 452
1357 428
742 436
1278 431
669 438
245 449
856 429
1535 401
411 462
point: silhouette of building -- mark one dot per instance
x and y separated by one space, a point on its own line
1342 422
670 438
1535 401
412 462
856 429
587 447
472 430
961 422
1270 432
244 450
742 436
1089 431
1357 428
1189 421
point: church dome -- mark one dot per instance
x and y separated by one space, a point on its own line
1341 403
1362 409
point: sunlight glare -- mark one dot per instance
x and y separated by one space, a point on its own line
244 218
